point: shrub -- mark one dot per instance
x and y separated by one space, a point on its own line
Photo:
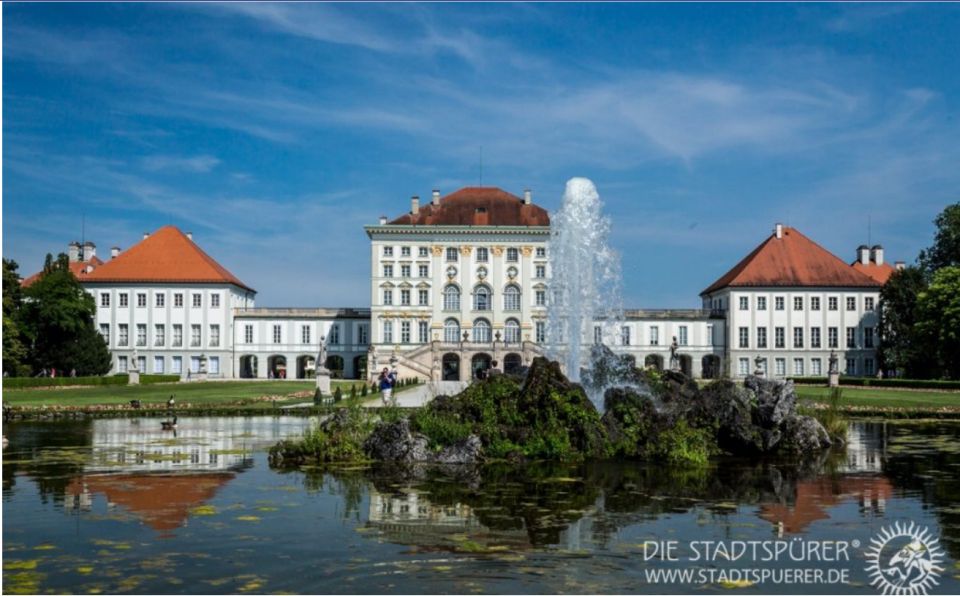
337 394
683 444
121 379
872 382
832 417
365 391
353 392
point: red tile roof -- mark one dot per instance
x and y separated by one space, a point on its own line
166 256
880 273
477 206
791 261
78 268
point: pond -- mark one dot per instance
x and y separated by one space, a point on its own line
123 506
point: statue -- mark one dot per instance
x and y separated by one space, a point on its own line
322 355
833 362
833 379
674 358
321 372
133 371
758 362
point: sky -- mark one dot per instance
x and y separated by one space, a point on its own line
275 132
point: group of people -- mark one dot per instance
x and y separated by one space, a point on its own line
52 373
386 381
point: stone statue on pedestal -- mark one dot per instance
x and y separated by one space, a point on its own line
321 372
758 363
134 369
674 358
834 371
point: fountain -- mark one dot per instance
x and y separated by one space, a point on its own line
585 307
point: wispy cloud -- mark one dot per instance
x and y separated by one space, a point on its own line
197 164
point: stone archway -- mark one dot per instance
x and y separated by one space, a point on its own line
711 366
277 367
451 367
512 363
479 365
335 365
686 364
248 367
360 367
654 361
305 367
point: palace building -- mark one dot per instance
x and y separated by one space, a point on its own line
461 283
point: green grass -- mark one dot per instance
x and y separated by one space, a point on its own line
197 393
884 398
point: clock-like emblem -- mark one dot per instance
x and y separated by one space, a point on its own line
482 272
511 272
451 271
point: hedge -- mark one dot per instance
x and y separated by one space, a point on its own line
871 382
121 379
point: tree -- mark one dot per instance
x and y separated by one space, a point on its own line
57 315
14 350
899 347
938 321
945 251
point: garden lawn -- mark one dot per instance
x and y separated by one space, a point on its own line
195 393
884 398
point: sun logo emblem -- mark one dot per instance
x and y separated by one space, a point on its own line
904 559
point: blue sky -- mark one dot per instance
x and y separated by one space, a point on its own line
274 132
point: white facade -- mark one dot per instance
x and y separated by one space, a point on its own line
647 336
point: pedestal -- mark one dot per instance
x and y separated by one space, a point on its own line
834 379
134 377
323 381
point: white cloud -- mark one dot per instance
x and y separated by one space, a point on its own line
199 164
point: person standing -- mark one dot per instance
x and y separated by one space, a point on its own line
386 386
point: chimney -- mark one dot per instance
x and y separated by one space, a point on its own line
899 265
89 251
146 235
73 251
414 204
436 198
778 229
114 252
190 235
527 196
876 255
863 254
383 220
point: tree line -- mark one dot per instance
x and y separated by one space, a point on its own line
920 308
50 324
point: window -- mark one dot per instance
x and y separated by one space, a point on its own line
214 300
423 297
761 337
541 331
833 335
158 365
388 270
451 298
405 297
511 331
214 339
743 367
176 365
851 303
177 336
388 251
798 367
744 303
481 298
194 364
814 337
851 337
597 335
798 337
304 334
868 367
142 364
540 271
483 254
832 303
122 364
423 331
404 251
423 251
123 338
763 366
178 300
744 337
276 334
814 303
388 297
160 299
868 305
451 331
451 254
779 337
798 303
159 335
816 367
141 300
388 332
761 303
481 331
710 334
625 335
197 300
780 366
194 336
105 331
423 271
248 334
513 255
868 337
541 252
405 332
404 270
334 338
104 300
654 336
851 366
511 298
213 365
778 302
362 335
123 300
682 332
540 297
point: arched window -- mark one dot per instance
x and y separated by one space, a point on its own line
451 331
511 331
481 331
451 298
511 298
481 298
